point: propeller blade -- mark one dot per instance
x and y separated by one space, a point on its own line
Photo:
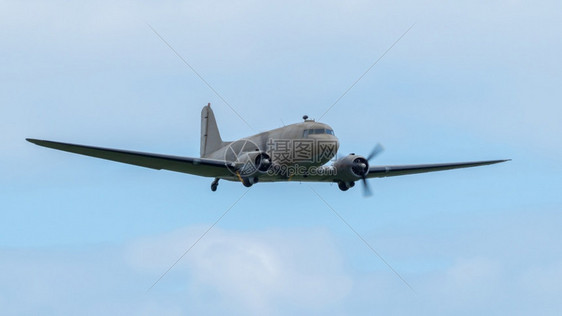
375 152
366 189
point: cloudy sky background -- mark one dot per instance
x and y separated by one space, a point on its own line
470 81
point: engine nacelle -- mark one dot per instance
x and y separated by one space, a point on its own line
252 163
351 168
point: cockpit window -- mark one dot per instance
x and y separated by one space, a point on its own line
317 131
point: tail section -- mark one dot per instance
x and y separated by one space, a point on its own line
210 137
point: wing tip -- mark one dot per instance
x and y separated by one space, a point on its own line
493 162
40 142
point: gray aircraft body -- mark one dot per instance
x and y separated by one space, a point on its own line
296 152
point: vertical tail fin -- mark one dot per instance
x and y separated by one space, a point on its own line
210 137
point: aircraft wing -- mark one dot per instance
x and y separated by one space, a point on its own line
399 170
196 166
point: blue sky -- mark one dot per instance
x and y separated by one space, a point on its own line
470 81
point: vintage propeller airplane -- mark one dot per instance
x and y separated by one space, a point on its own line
297 152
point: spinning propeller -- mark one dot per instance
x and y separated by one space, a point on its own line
375 152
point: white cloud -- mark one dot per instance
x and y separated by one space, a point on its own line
259 272
228 271
294 271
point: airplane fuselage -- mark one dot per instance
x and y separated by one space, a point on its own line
296 147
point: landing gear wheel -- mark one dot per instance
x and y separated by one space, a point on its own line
215 184
342 186
248 182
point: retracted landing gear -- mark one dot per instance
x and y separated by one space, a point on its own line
215 184
248 182
344 186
